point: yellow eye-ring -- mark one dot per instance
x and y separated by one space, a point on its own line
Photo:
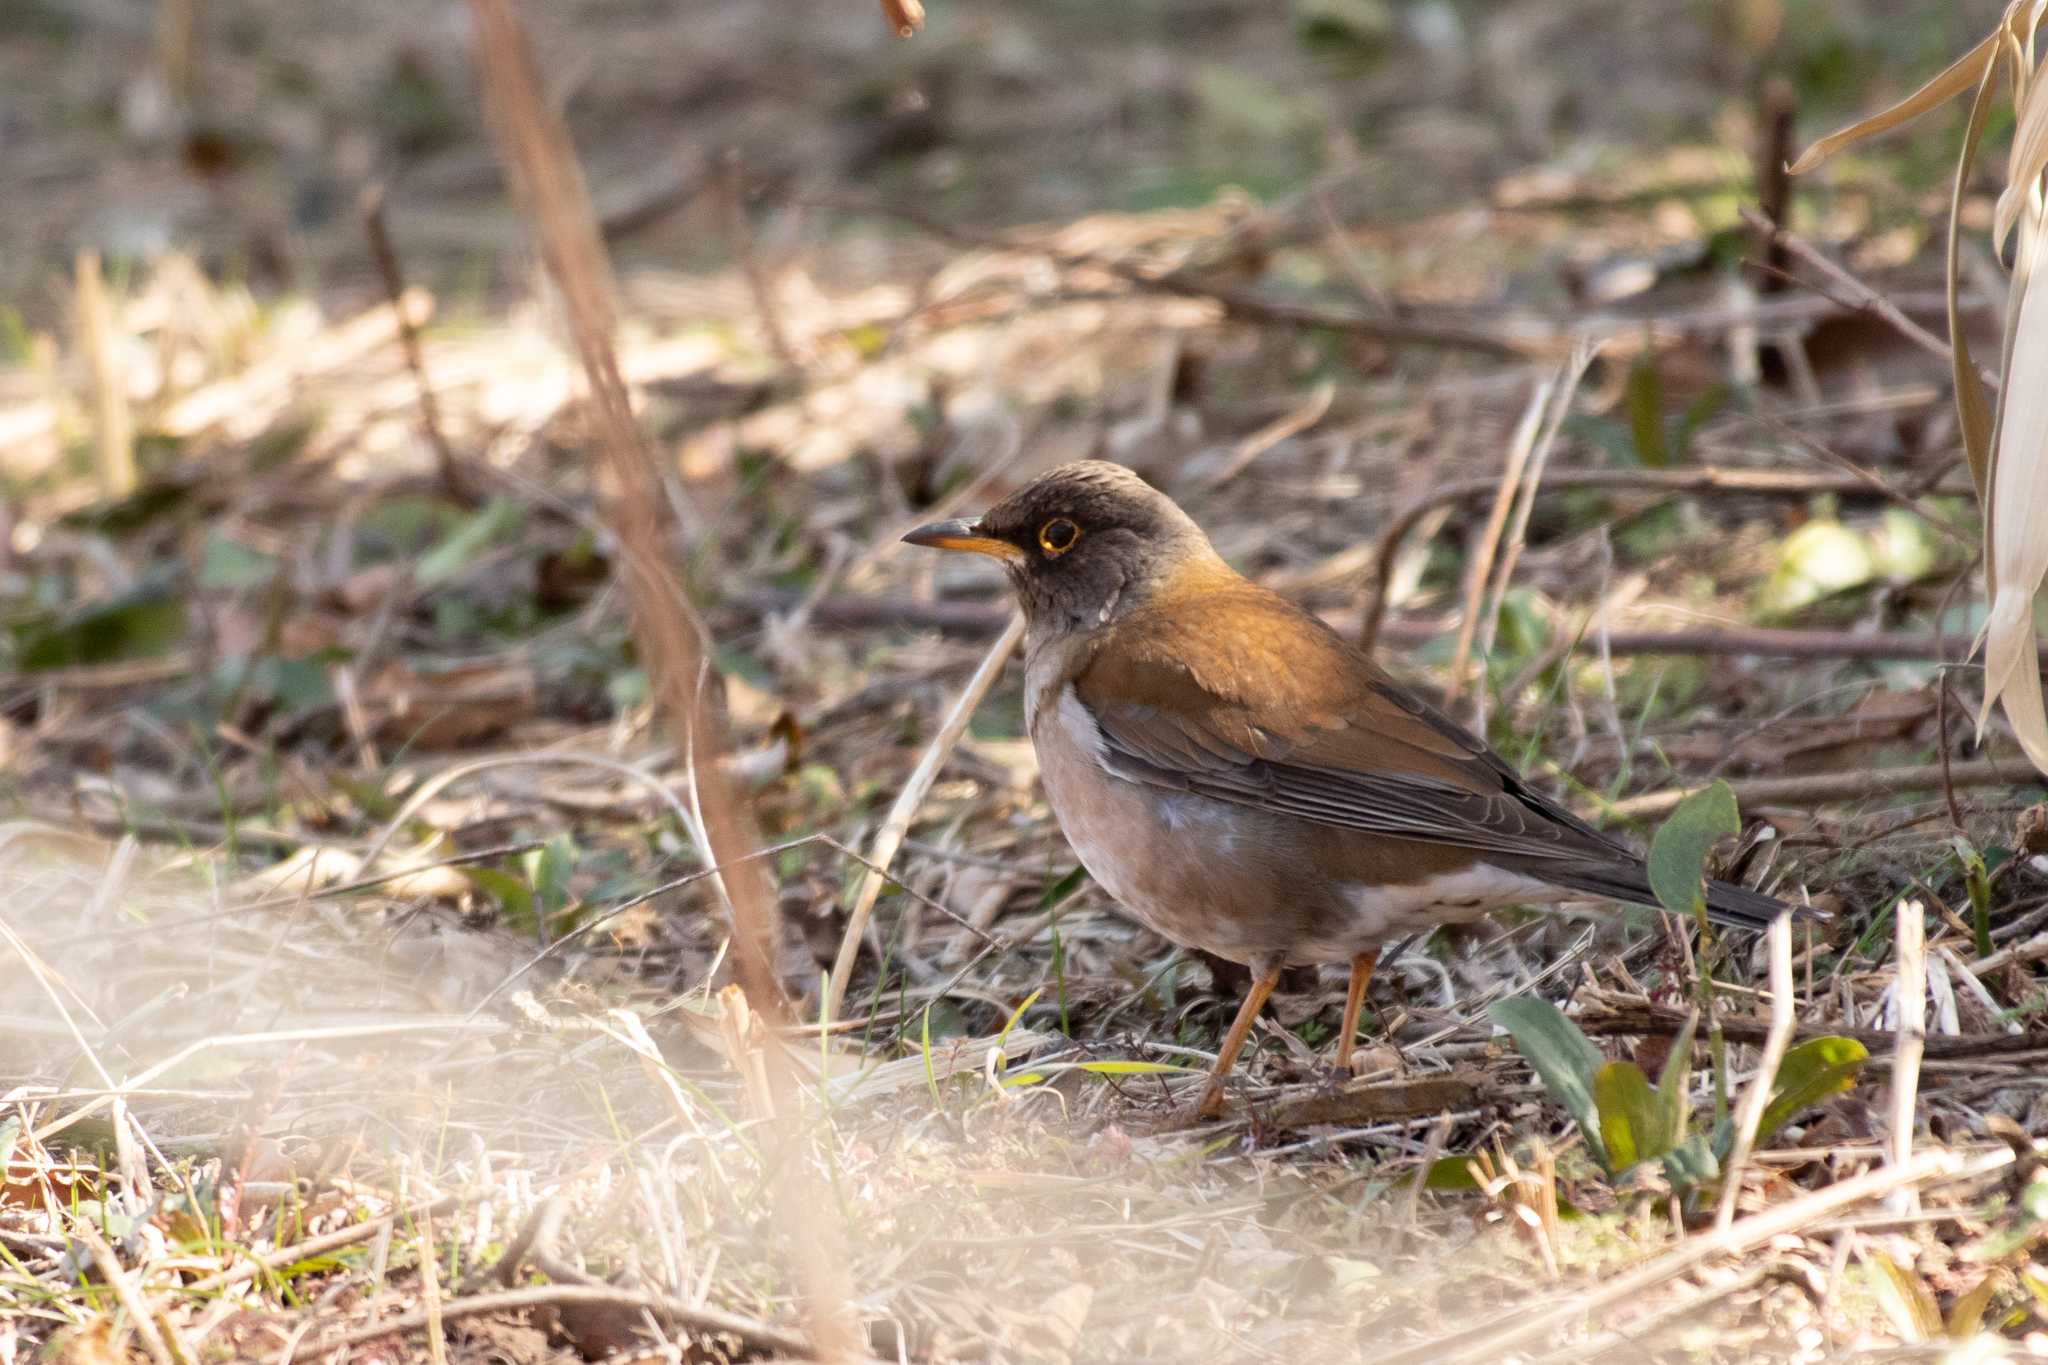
1058 536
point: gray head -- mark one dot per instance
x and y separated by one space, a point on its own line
1082 543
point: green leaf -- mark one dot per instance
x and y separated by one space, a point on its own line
1678 854
931 1076
1063 888
227 563
1451 1175
547 870
1691 1163
1644 397
1631 1120
495 519
1132 1068
512 893
1015 1015
1697 414
1674 1082
140 626
1564 1059
1816 1070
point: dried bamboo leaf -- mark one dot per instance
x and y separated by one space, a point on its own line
1966 71
1973 406
2024 164
2016 524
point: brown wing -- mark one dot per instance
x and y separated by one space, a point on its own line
1278 712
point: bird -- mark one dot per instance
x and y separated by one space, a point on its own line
1245 781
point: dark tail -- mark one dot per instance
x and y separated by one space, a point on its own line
1729 904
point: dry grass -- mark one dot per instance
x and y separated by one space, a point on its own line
366 980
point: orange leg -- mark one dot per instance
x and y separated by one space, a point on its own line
1233 1041
1354 1002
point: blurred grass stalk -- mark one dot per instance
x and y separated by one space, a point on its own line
2008 451
673 642
113 427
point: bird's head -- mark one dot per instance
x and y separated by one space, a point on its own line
1082 543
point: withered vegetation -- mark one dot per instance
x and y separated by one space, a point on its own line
369 991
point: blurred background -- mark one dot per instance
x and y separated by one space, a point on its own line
243 132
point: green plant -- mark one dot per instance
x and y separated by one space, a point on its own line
1627 1121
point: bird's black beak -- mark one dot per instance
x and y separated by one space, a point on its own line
962 534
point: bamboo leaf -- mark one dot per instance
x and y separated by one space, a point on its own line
1674 1081
1973 407
2016 524
1451 1175
1564 1059
1953 81
1631 1121
1906 1298
1966 1315
1815 1070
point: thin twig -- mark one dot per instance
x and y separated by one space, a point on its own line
733 188
1751 1111
430 1294
759 1336
1861 784
890 837
112 1271
388 270
1272 434
1910 1000
1641 1017
1574 371
1859 295
1492 1340
1876 482
673 642
1479 569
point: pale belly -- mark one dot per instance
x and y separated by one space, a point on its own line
1241 883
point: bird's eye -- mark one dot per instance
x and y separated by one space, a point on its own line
1057 536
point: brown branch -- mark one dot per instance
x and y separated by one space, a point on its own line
1708 479
1778 115
673 643
389 271
671 638
758 1336
1860 784
1643 1018
733 189
1860 296
1379 1101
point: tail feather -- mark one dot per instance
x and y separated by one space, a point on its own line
1735 906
